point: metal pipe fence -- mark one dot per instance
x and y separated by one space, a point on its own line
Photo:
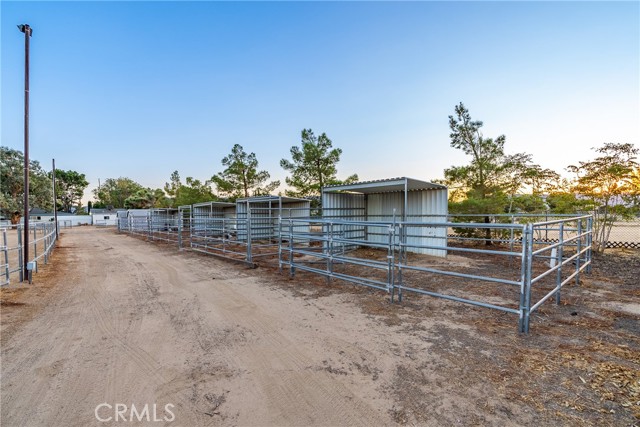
41 243
245 236
526 271
514 263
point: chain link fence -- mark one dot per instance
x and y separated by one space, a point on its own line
625 234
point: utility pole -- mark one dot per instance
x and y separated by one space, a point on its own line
26 29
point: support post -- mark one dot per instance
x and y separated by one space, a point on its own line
330 258
392 237
527 313
55 204
180 219
524 265
249 258
559 261
21 265
35 240
578 249
390 276
279 243
292 270
6 255
589 242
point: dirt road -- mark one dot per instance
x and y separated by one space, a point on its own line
136 325
116 322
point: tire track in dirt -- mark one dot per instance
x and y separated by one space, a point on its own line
142 298
139 324
281 372
46 352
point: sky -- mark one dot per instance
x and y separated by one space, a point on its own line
140 89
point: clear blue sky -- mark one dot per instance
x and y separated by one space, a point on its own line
140 89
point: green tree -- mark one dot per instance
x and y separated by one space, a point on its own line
114 191
605 180
491 179
12 185
633 197
313 165
241 177
70 186
194 191
144 198
171 187
566 203
484 177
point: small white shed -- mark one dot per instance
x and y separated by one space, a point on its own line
104 217
264 212
406 199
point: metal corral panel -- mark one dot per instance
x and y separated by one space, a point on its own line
165 219
138 213
265 211
122 220
203 213
347 207
427 206
213 209
138 219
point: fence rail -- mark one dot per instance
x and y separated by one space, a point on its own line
530 272
42 239
531 258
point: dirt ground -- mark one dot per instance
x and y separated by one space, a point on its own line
117 320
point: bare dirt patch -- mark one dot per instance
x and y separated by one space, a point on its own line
123 320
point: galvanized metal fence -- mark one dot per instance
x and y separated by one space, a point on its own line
526 271
512 263
42 239
245 237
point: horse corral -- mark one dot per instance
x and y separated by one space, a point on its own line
511 263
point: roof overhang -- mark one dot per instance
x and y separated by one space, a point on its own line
263 199
214 204
391 185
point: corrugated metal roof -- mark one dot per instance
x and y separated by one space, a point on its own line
385 186
101 211
284 199
214 204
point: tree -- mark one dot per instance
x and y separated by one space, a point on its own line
484 177
633 198
70 187
114 191
241 177
313 165
492 178
12 185
604 181
193 192
145 198
171 187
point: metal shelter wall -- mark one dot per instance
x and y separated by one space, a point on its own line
261 214
403 199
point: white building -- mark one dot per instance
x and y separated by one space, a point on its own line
104 217
405 199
